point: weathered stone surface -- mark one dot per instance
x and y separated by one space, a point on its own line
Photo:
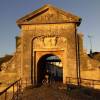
48 14
49 37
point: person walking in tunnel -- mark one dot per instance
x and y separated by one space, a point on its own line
47 77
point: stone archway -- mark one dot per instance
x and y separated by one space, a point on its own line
42 46
53 64
40 57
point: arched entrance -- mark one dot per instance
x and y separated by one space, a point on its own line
53 64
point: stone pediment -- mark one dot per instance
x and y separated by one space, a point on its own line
48 14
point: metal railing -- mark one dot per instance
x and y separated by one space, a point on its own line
12 91
84 82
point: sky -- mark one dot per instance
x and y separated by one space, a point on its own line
12 10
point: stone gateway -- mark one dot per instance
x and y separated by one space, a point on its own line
47 32
49 40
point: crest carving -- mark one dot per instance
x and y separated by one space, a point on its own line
49 42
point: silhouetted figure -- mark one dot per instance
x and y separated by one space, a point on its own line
48 75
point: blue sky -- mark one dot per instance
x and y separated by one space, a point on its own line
11 10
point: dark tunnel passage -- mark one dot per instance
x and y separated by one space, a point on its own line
51 63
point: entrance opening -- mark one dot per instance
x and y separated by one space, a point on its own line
53 64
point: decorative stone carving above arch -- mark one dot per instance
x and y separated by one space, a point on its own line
49 42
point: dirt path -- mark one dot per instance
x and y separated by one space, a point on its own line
44 93
49 93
